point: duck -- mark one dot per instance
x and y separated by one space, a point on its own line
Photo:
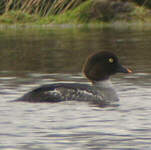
98 68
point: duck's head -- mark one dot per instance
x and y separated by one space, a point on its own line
101 65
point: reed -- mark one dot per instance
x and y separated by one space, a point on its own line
47 7
39 7
73 11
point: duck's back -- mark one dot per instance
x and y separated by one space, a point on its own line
62 92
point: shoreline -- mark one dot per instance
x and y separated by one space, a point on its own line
116 25
102 13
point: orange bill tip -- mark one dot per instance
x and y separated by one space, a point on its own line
129 71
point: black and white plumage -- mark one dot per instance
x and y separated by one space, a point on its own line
98 68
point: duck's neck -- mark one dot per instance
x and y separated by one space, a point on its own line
106 87
107 84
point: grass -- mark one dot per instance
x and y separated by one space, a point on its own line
18 17
39 7
67 12
81 14
140 13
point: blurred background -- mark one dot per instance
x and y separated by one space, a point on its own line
47 41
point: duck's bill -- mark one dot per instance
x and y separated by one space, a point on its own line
121 69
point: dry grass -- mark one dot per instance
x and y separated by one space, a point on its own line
40 7
73 11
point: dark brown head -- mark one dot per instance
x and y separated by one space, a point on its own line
102 65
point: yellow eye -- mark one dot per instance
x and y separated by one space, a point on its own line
111 60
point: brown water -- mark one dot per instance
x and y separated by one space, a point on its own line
30 57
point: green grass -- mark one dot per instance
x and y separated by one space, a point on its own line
18 17
82 14
78 15
140 13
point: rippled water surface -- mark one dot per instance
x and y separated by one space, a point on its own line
30 57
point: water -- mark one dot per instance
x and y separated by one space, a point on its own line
32 57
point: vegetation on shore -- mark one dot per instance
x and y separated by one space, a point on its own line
74 11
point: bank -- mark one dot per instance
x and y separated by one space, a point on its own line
87 12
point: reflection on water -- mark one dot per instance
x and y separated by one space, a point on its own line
31 57
57 50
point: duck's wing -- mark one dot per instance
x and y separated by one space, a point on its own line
60 92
